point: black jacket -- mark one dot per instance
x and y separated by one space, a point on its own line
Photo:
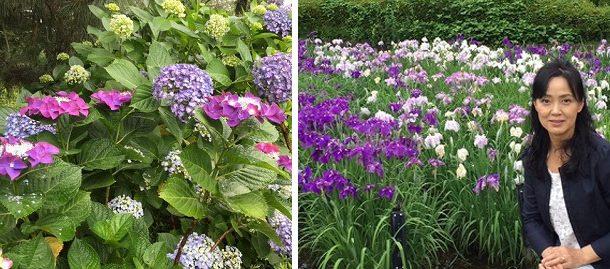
587 202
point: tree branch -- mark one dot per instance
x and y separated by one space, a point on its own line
186 236
220 239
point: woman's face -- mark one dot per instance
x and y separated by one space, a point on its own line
558 108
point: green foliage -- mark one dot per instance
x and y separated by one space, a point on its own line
489 21
222 184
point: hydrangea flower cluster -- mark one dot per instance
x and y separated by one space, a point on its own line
231 60
51 107
284 191
88 43
123 204
21 126
278 22
272 7
216 26
63 57
283 228
231 257
76 75
274 152
46 79
226 5
122 26
185 86
5 263
276 2
236 109
196 253
174 7
14 151
259 10
273 77
113 99
173 164
112 7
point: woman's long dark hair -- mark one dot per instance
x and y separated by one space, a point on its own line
581 144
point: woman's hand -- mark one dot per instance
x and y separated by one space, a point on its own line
562 256
540 266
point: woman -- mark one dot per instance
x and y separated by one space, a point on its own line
566 213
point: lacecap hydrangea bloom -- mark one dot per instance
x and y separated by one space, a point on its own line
21 126
51 107
122 26
231 258
113 99
173 164
14 151
63 57
46 79
216 26
76 75
112 7
283 228
196 253
185 86
278 22
123 204
236 109
174 7
273 77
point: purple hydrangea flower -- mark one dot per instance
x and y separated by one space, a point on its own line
11 165
283 228
185 86
273 77
236 109
41 153
196 253
113 99
278 22
22 126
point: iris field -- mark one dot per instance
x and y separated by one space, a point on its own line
434 126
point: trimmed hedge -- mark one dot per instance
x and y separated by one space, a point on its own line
525 21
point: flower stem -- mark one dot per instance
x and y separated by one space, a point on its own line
186 236
220 239
286 134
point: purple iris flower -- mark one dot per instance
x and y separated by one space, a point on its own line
436 163
369 187
430 118
492 154
387 192
347 191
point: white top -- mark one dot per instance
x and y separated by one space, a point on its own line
559 216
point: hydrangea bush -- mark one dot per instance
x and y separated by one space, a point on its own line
142 147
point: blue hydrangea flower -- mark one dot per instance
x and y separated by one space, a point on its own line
173 164
278 22
273 77
125 205
196 253
22 126
186 88
283 228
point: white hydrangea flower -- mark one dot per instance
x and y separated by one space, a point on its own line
122 26
217 26
174 7
76 75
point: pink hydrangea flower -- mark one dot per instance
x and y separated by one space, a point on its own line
285 162
236 109
267 148
5 263
11 165
113 99
41 153
52 107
